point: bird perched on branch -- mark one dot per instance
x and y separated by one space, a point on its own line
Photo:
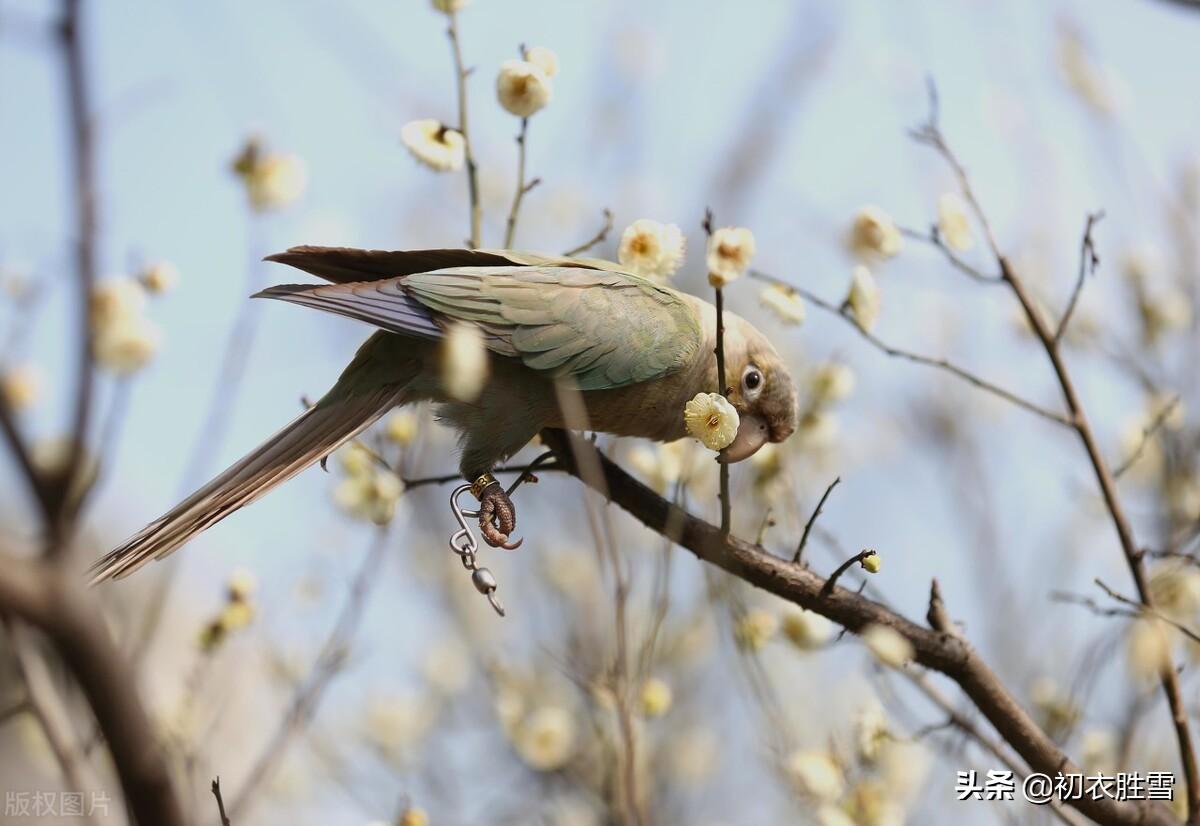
635 351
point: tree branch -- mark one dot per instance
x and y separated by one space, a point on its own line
930 135
598 238
460 76
55 603
939 651
916 358
812 520
79 118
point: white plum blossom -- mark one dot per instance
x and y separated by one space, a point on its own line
545 740
888 646
126 346
651 249
729 252
434 144
545 59
954 227
464 361
874 234
785 303
523 88
711 419
864 300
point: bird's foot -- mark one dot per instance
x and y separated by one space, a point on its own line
497 514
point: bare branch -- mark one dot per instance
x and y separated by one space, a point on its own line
811 521
934 238
460 77
598 238
68 492
930 135
1088 261
722 388
55 603
216 790
967 726
1147 433
916 358
329 662
522 188
946 653
859 558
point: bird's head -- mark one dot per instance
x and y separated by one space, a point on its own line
760 389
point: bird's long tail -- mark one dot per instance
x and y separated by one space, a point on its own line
353 404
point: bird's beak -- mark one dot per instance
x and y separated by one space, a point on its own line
752 434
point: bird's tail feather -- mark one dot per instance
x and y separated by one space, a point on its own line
317 432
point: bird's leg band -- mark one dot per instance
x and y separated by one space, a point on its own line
478 486
497 515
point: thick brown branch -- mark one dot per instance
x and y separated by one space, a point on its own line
942 652
54 603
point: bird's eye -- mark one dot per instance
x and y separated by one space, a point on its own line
752 381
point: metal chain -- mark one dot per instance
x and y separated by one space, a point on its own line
463 543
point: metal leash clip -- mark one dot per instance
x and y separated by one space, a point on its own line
464 543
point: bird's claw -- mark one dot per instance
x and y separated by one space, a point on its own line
497 517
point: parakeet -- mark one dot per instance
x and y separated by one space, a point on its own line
636 350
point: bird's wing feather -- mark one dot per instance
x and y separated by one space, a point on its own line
606 329
344 265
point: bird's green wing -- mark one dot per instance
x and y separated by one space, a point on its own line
606 329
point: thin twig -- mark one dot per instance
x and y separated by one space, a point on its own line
1147 433
216 790
328 663
1088 261
812 520
447 478
917 358
722 388
1143 609
934 239
510 233
79 116
859 558
598 238
460 74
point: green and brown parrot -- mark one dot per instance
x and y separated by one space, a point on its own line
636 350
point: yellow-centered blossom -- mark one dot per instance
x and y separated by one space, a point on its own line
651 249
523 88
954 227
711 419
729 252
874 234
785 303
545 59
434 144
863 299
